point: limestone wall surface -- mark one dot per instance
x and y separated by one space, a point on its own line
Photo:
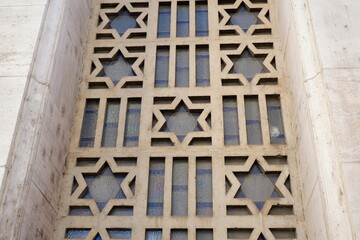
20 25
45 42
322 58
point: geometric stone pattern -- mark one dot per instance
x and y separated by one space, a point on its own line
181 121
255 171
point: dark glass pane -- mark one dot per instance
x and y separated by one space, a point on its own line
242 233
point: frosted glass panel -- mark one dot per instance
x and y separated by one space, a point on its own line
202 66
244 18
104 186
182 23
253 124
182 66
88 129
80 211
257 185
131 138
123 21
276 126
162 67
231 122
122 211
204 202
77 233
181 121
164 20
177 234
204 234
202 27
111 123
156 187
117 68
153 235
179 204
248 65
119 233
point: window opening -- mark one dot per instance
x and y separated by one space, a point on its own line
182 129
202 26
202 66
182 23
182 66
164 19
162 67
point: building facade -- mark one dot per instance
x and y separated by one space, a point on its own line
42 65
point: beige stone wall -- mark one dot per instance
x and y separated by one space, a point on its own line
20 26
48 44
337 39
321 58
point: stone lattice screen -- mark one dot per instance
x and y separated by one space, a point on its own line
182 127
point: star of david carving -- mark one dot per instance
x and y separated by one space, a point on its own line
123 21
103 185
248 65
181 120
118 68
258 185
244 17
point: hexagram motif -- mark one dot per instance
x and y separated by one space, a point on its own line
181 120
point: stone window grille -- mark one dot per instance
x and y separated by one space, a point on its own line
182 129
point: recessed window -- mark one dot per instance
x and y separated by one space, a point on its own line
182 129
